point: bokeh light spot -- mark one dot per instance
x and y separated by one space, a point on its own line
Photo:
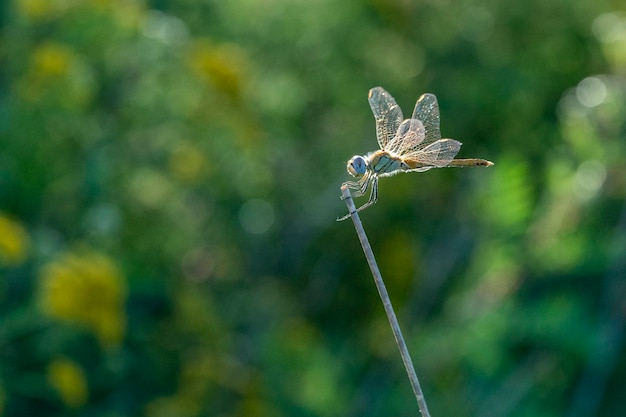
591 92
609 27
589 178
167 29
256 216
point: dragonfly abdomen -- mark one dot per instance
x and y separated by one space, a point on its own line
473 162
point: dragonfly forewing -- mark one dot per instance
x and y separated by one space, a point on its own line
387 113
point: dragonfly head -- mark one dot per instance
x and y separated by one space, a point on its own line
357 165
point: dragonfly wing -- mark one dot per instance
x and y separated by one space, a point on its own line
427 112
437 154
408 138
387 113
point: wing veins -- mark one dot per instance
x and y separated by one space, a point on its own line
427 111
437 154
387 113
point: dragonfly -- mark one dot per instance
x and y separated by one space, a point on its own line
406 145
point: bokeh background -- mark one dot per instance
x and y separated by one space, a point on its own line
169 183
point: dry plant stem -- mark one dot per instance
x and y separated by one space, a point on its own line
382 291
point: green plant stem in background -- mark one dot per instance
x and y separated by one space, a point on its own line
382 291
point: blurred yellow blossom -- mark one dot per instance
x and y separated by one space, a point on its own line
223 65
68 378
52 59
14 242
58 76
187 163
126 13
41 9
87 289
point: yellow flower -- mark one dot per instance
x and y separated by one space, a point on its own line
14 242
223 65
187 163
68 378
40 9
87 289
57 77
127 13
53 59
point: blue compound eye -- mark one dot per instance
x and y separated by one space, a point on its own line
357 166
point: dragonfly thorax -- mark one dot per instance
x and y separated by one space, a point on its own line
357 165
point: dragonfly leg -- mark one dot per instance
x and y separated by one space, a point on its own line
373 195
364 185
360 186
353 185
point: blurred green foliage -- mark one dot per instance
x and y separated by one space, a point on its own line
169 183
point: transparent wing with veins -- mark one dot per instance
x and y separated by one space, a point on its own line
409 136
418 140
427 111
387 113
436 155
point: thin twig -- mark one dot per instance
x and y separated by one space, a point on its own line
382 291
